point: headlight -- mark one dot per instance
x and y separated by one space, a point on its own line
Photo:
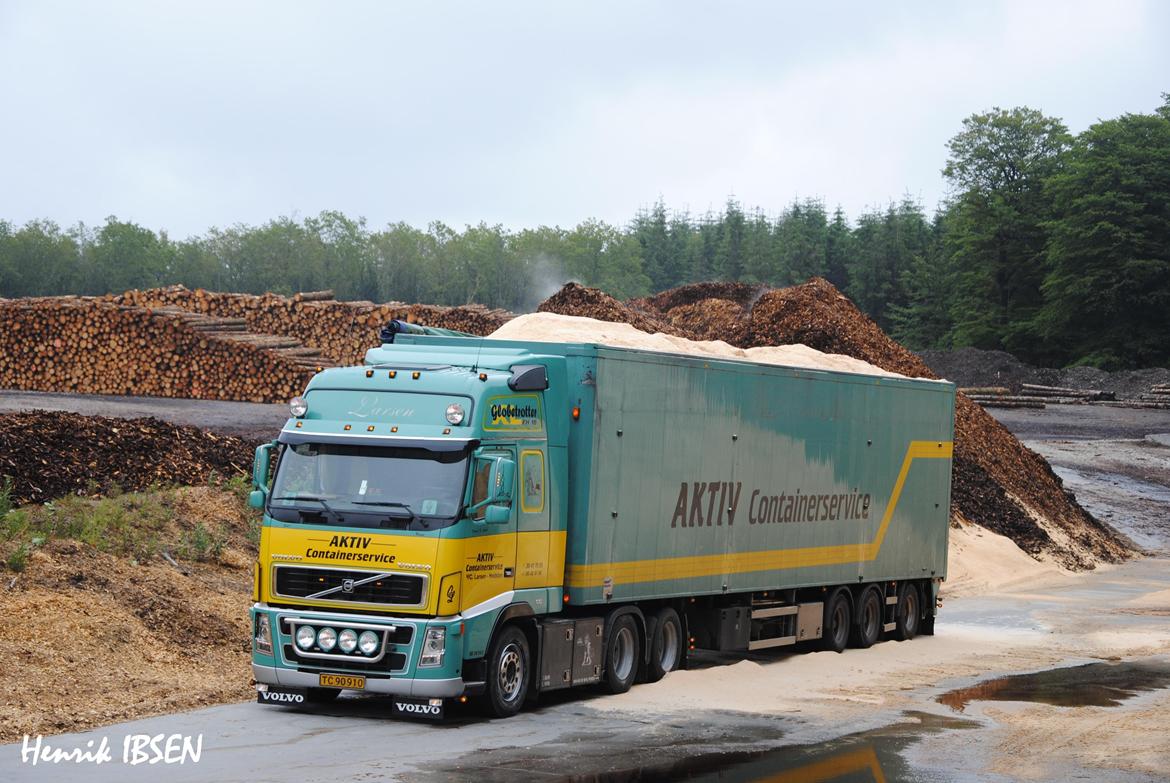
455 413
347 640
326 638
298 406
262 640
368 642
306 635
434 645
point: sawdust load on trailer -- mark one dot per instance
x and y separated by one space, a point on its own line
998 483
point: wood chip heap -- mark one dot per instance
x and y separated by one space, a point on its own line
52 454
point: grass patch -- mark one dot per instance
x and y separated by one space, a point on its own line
194 523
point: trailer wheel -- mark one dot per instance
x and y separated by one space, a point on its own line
508 672
838 619
622 653
906 619
666 645
869 619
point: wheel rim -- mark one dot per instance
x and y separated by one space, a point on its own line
670 646
511 672
623 653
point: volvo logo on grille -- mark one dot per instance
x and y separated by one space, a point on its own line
347 586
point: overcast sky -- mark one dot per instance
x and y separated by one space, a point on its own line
182 118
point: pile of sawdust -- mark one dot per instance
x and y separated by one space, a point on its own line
552 328
91 638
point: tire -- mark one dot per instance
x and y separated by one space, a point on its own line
322 695
666 645
623 651
907 618
867 626
508 672
837 622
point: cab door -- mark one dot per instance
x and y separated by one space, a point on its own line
489 567
532 510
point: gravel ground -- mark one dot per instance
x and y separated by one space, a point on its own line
975 367
244 419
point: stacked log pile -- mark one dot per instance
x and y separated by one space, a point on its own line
89 346
51 454
997 482
341 331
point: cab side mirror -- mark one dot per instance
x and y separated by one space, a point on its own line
260 469
496 514
256 498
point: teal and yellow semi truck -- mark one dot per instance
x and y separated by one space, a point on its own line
464 517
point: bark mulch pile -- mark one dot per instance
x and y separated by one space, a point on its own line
997 482
51 454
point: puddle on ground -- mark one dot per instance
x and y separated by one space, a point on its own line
652 758
1092 685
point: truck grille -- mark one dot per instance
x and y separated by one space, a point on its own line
300 582
393 662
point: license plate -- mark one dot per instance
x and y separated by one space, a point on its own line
350 681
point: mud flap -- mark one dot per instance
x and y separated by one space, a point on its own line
426 709
284 697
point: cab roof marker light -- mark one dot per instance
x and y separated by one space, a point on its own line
369 373
347 427
393 374
415 375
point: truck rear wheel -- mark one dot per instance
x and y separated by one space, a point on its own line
909 613
622 653
508 672
665 645
838 619
869 619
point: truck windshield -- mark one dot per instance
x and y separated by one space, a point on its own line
368 486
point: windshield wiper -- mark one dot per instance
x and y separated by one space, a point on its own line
329 509
414 518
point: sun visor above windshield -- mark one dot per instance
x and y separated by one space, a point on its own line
293 438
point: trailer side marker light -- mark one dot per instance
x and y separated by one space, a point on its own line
462 699
369 373
370 428
394 429
348 427
393 373
415 375
576 413
566 598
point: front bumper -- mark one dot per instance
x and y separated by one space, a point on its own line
398 686
395 672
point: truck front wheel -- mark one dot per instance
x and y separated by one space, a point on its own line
622 653
508 672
